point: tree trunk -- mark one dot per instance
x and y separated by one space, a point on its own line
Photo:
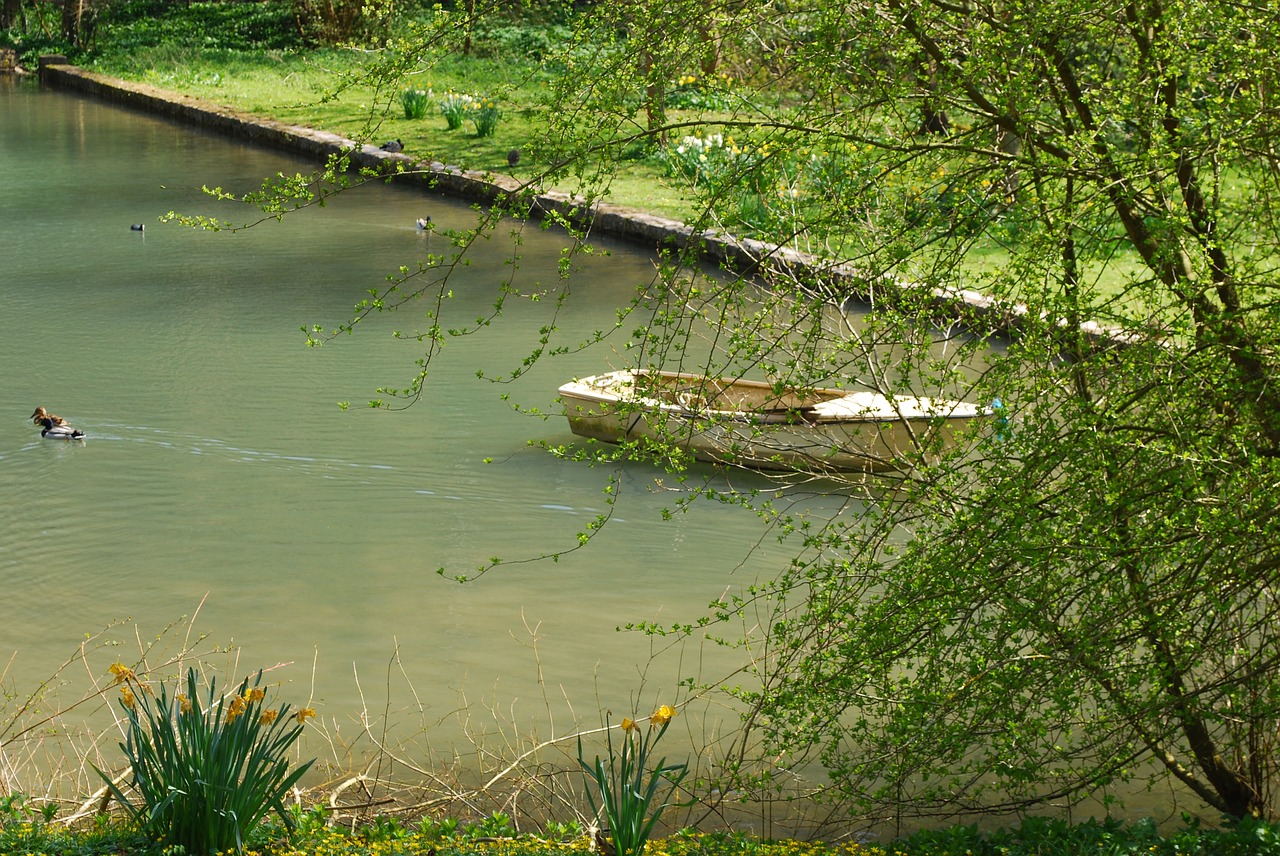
73 20
471 14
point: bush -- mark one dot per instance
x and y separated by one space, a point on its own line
234 26
692 92
1045 836
415 102
485 114
454 107
626 789
335 22
205 774
519 42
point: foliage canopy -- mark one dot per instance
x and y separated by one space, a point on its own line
1089 597
1092 598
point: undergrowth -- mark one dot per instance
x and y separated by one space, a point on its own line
22 835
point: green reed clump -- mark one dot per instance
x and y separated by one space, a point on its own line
205 771
632 797
485 114
415 102
454 107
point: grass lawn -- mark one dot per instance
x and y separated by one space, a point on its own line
302 89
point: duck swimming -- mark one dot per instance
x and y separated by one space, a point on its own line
54 427
60 432
424 222
42 415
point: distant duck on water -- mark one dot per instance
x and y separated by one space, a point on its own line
424 222
138 227
54 427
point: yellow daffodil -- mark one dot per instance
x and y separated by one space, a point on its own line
126 695
268 716
184 703
256 694
304 714
122 672
235 708
662 715
629 724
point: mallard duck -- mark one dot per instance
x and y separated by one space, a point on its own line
393 146
60 432
423 222
42 415
54 427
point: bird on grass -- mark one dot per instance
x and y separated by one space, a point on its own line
513 157
54 427
393 146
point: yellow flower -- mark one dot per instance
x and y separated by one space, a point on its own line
662 715
304 714
184 703
126 695
122 672
268 716
256 694
235 708
629 724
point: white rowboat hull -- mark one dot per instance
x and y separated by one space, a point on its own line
749 423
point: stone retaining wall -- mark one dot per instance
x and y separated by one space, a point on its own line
744 256
486 187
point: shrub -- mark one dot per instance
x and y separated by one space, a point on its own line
629 799
141 24
520 41
336 22
692 92
205 773
415 102
485 114
454 106
709 162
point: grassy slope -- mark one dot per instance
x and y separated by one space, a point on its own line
296 88
247 57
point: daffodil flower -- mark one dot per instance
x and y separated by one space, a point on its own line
662 715
122 672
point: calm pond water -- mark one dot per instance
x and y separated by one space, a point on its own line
221 476
220 469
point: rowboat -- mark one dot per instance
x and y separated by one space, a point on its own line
759 425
